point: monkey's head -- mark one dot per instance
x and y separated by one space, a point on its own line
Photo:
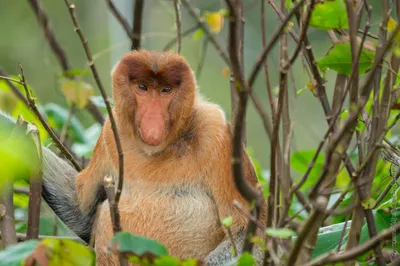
154 94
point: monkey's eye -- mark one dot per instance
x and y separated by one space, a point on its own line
142 87
166 90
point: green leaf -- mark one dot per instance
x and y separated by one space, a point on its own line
300 91
393 201
198 34
58 116
91 134
368 203
16 254
339 59
246 260
125 242
12 105
18 154
289 4
68 253
283 233
329 15
300 161
328 238
227 221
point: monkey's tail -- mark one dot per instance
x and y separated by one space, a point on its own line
59 187
59 193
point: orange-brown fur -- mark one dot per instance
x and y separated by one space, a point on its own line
174 192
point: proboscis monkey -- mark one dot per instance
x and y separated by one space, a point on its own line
177 153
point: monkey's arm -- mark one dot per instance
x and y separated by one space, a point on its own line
225 192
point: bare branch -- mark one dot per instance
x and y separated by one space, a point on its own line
35 189
356 251
206 30
177 8
121 20
184 34
32 106
137 24
59 52
71 8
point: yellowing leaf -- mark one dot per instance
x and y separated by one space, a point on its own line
311 87
225 72
215 21
368 203
391 26
77 92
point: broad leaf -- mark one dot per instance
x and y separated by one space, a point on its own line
300 162
77 91
12 105
329 15
339 59
139 246
68 253
16 254
58 117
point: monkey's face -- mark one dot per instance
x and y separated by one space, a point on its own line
154 94
151 115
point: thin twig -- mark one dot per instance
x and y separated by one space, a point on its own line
109 188
14 89
46 126
137 24
71 8
35 189
264 43
177 8
331 258
7 220
184 34
59 52
206 30
202 59
255 69
121 20
249 193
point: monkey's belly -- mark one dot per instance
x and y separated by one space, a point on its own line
184 220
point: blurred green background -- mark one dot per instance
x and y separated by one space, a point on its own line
22 41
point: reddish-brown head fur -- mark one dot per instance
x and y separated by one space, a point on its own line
154 93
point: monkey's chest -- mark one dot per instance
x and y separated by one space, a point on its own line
183 218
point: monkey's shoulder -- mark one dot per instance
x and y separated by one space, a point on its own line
210 122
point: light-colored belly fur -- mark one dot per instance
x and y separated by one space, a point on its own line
183 219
